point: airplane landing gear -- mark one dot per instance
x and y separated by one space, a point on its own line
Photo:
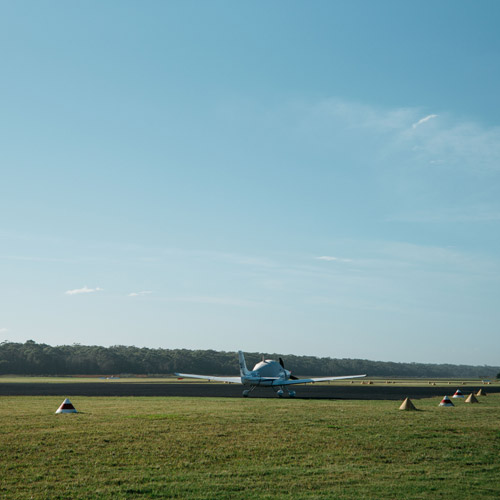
247 392
281 392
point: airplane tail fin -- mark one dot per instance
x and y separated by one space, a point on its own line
243 366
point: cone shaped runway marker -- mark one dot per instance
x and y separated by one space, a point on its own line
66 407
407 405
446 401
458 394
480 393
471 399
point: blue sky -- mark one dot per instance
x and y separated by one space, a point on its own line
311 178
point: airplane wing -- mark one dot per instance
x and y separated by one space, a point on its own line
231 380
312 380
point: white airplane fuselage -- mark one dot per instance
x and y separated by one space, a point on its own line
266 373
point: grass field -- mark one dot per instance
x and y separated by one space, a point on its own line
248 448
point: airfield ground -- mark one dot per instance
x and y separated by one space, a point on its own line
205 448
366 389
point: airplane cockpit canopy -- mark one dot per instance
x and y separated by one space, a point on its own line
268 368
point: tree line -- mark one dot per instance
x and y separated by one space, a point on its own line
32 358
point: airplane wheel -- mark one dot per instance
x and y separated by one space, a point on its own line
292 394
246 393
280 394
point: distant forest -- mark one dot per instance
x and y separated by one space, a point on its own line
31 358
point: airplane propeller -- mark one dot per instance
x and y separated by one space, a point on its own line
292 377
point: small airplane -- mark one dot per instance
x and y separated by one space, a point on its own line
266 373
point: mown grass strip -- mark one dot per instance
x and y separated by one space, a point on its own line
249 448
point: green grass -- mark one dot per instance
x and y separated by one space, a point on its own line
248 448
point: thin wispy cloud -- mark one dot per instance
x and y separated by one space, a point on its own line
330 258
423 120
464 214
85 289
3 330
219 301
139 294
32 259
389 139
466 146
355 115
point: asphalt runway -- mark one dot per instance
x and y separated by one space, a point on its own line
309 391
